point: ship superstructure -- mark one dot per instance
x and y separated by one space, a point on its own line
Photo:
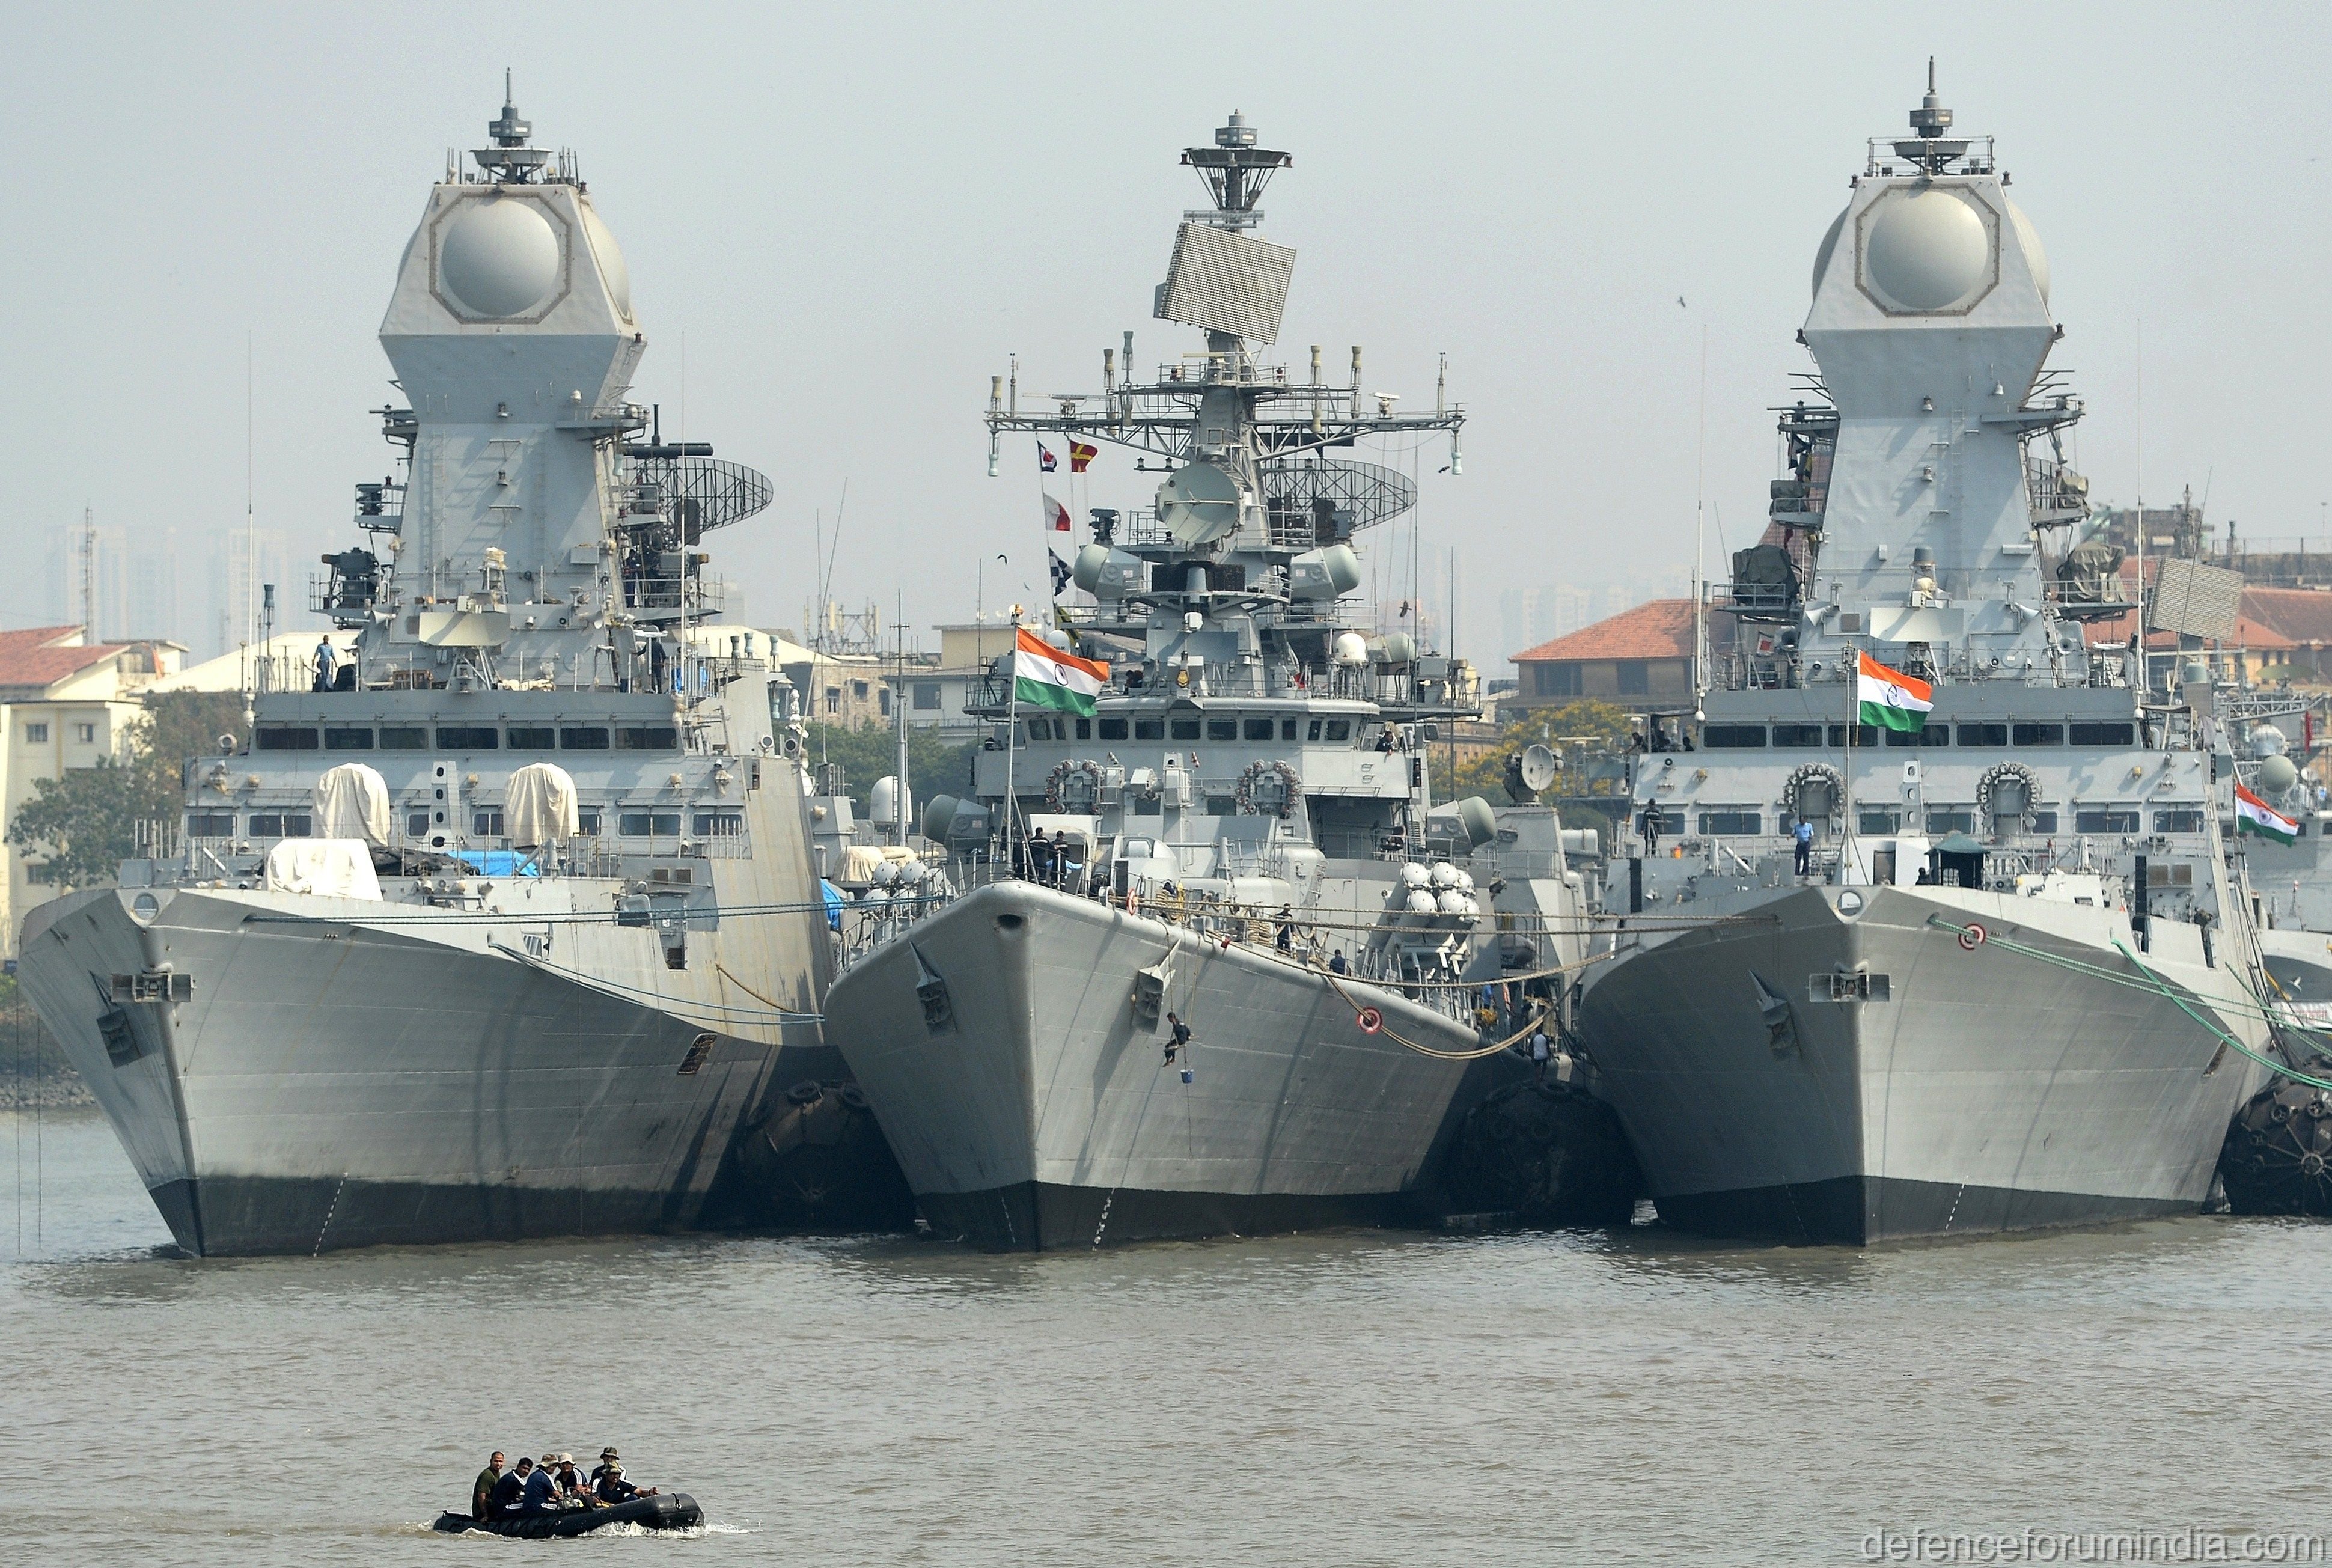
2016 981
500 921
1238 837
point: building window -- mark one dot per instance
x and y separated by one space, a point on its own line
36 735
834 699
858 690
1554 680
927 696
883 700
719 824
85 733
1634 677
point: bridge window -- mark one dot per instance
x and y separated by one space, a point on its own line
2105 821
486 823
582 738
533 737
1217 730
1112 729
210 824
1731 823
1932 735
650 824
1799 735
1865 735
348 740
647 738
1984 734
719 824
1732 737
1258 729
2179 821
281 740
404 738
282 825
2122 734
2037 734
468 738
1150 729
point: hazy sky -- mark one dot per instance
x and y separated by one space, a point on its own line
855 214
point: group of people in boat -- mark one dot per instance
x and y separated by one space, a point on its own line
551 1485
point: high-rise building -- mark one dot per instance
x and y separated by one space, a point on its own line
241 565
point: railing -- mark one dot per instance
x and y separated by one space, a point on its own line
2054 493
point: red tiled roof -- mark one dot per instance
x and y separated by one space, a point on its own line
39 657
2269 619
1660 629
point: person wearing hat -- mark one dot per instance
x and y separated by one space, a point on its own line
512 1489
612 1488
481 1491
608 1458
571 1490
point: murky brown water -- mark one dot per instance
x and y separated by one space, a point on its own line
1364 1397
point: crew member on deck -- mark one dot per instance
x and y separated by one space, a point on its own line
510 1492
1802 834
328 664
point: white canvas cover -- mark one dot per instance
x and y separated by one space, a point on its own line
538 806
332 867
352 802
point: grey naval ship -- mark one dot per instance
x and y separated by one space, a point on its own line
503 922
1238 835
2017 984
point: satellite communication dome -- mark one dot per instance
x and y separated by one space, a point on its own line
500 258
1198 504
1351 650
2277 775
1925 250
2034 256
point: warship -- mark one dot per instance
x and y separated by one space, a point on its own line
498 920
2016 981
1218 962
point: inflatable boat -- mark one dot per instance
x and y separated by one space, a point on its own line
666 1511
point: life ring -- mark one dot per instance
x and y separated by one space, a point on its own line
809 1091
1370 1020
1253 801
1814 773
1063 798
1974 937
1997 773
852 1097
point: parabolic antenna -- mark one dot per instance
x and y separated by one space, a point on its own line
1539 766
1200 504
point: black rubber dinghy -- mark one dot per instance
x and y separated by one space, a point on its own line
669 1511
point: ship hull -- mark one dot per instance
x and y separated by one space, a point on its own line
1987 1091
327 1084
1034 1107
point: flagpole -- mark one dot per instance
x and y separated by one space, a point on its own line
1011 737
1853 722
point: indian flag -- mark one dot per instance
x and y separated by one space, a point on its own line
1045 676
1891 698
2253 815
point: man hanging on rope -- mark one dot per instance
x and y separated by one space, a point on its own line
1179 1038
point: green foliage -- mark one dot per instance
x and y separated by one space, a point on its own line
1603 723
934 766
76 830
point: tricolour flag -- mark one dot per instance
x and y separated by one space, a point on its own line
2253 815
1056 516
1045 676
1045 459
1081 455
1891 698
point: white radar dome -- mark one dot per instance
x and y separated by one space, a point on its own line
611 262
2034 256
1926 252
500 258
2277 775
1351 650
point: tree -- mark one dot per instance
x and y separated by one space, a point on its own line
934 766
1600 725
77 829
